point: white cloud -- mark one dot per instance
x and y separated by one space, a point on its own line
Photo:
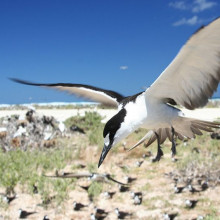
123 67
201 5
190 21
195 6
178 5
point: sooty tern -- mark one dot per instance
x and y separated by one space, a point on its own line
189 80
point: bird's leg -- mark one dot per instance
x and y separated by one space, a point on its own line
173 148
159 150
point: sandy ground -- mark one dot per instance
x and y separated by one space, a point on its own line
158 197
209 114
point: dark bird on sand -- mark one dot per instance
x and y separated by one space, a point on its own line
137 200
129 179
108 195
190 203
133 194
122 214
123 188
178 189
24 214
167 216
77 206
192 189
188 81
75 128
46 217
100 213
8 198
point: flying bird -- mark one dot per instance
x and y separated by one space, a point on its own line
98 177
189 81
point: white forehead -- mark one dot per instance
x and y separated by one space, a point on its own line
106 140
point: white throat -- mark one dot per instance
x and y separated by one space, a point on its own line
136 114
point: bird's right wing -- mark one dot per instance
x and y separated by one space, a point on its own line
106 97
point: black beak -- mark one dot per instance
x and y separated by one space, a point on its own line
104 153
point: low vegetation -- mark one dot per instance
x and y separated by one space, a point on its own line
22 171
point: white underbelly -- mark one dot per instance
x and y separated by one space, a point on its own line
160 116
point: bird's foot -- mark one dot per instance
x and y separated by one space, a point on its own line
159 155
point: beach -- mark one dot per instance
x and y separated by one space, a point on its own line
209 114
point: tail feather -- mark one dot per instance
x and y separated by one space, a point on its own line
195 130
151 140
203 127
183 127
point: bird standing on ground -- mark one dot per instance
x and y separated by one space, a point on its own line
77 206
190 203
121 214
24 214
189 80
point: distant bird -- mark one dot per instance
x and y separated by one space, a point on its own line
190 203
35 189
205 185
75 128
133 194
121 214
104 178
108 195
123 188
24 214
92 216
167 216
138 163
77 206
137 200
192 189
91 176
178 189
129 179
46 217
100 213
189 81
7 198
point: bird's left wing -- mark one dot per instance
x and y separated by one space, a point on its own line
194 74
106 97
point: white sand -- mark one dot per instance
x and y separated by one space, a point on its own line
209 114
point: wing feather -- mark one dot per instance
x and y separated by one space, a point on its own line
106 97
194 74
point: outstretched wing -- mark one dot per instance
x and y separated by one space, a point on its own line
194 74
106 97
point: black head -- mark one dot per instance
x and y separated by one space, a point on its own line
110 131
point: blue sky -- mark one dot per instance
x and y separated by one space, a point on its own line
122 45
